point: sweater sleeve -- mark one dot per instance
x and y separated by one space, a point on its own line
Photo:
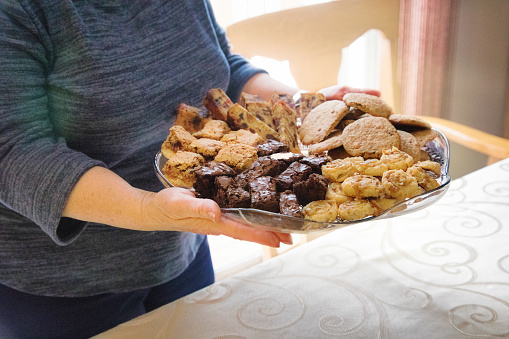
240 68
37 169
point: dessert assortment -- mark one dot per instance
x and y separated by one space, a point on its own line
325 161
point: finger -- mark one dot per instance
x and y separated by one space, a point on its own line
285 238
361 90
241 231
202 208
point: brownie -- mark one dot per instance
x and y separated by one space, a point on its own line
264 166
264 194
311 189
271 147
229 195
296 172
288 157
289 204
315 162
205 176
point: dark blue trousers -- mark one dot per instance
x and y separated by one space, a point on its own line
24 315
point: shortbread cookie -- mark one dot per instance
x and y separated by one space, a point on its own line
429 165
369 137
335 192
369 104
286 124
308 101
361 186
356 209
383 203
400 185
396 159
410 145
334 140
179 169
214 129
208 148
423 178
192 118
424 136
242 137
321 210
238 156
321 121
178 140
373 167
239 118
408 122
340 169
218 103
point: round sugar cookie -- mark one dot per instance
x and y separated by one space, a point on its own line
424 136
369 137
410 145
403 121
332 141
321 121
369 104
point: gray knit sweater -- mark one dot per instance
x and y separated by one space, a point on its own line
96 83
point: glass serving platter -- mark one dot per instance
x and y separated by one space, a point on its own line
438 149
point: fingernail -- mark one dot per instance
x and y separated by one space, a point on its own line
288 242
212 216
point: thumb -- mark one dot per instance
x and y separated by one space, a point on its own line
207 209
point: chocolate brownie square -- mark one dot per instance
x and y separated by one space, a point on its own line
311 189
289 204
315 162
205 177
229 195
264 194
264 166
271 147
296 172
288 157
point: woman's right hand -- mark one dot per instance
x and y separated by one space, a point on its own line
178 209
102 196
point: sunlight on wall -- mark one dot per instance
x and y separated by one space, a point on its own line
229 11
361 62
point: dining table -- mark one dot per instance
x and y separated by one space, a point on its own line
439 272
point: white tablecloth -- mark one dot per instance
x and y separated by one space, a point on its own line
442 272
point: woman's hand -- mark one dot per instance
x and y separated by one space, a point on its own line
179 210
337 92
104 197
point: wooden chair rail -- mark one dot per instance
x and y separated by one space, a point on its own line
497 148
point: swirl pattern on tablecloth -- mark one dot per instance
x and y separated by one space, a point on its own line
211 294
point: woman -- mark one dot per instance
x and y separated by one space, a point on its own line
88 239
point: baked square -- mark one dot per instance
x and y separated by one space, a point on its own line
179 169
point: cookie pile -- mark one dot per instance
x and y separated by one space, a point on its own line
362 158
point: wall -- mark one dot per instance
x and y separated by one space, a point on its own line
479 75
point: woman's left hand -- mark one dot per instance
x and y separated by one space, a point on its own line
337 92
